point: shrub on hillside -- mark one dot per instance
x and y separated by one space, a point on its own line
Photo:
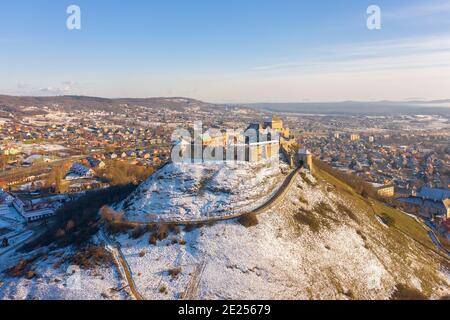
343 209
174 272
387 220
358 184
248 220
91 257
163 289
153 239
138 232
118 227
403 292
30 275
174 229
323 208
308 219
192 227
110 215
163 232
113 221
24 267
19 269
303 200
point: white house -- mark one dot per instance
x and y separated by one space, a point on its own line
5 197
78 171
35 211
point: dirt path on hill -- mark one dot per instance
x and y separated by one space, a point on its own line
191 292
124 269
192 288
272 202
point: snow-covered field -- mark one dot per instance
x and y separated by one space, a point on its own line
47 147
193 191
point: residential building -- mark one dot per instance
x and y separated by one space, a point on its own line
430 203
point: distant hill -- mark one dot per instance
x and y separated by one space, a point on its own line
440 107
18 104
33 105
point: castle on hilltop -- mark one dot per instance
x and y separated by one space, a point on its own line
258 142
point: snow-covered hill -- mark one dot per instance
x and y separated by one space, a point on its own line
193 191
322 242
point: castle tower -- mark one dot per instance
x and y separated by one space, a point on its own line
274 122
306 157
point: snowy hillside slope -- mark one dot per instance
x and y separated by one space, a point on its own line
53 277
193 191
322 242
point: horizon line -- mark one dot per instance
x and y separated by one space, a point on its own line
230 102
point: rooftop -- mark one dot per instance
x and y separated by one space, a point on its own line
433 194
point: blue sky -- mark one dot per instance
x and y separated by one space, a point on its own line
227 51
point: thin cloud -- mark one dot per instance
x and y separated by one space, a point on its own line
66 87
419 10
23 86
69 83
413 52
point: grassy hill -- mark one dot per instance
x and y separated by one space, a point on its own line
392 217
405 237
